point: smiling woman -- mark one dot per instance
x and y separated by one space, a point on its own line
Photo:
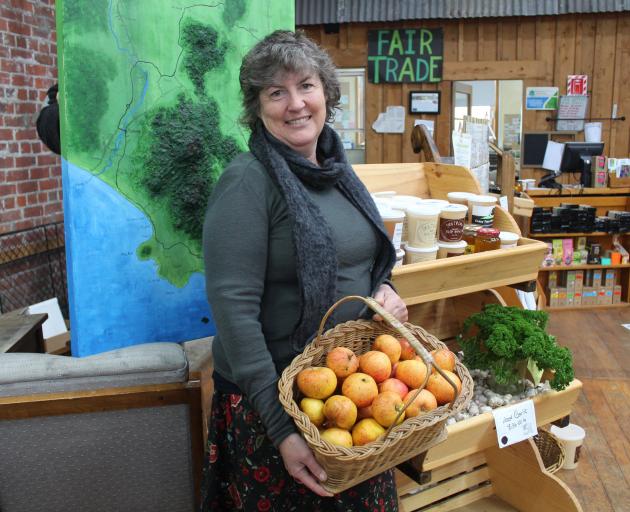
289 230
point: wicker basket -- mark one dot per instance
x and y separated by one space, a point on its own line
550 449
347 467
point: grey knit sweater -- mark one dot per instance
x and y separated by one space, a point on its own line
251 279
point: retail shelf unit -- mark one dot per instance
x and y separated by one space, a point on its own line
468 468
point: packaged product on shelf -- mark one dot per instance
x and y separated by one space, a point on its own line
562 297
570 280
620 249
579 280
601 297
581 243
597 278
594 254
553 297
609 277
557 251
548 260
553 279
617 294
567 251
577 298
570 295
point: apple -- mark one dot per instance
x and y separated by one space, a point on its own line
317 382
389 345
395 385
337 436
386 407
376 364
444 358
406 350
412 372
340 412
364 412
314 409
342 361
424 402
366 431
360 388
441 389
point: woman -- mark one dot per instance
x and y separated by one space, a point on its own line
289 230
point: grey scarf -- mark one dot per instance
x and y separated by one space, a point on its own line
316 256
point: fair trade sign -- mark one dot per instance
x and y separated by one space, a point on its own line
514 423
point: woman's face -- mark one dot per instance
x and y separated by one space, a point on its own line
294 111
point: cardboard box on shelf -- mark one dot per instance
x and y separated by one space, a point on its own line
579 280
577 298
617 294
553 298
608 295
609 277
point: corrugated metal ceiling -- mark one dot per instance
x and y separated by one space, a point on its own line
315 12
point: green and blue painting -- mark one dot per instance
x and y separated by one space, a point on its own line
150 103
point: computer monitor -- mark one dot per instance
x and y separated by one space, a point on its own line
577 157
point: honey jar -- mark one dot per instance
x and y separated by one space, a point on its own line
469 233
487 239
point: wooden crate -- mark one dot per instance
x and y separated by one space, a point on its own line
470 470
615 182
449 277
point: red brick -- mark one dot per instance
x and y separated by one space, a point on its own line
11 14
7 162
53 196
32 199
26 108
33 211
27 186
14 147
10 215
38 173
26 134
25 147
8 203
48 184
6 134
7 108
52 208
7 190
19 53
21 201
4 25
11 66
21 81
5 78
44 59
36 69
47 159
22 225
25 161
19 175
21 41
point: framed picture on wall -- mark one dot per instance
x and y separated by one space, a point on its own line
424 102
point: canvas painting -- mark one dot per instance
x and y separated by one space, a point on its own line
150 101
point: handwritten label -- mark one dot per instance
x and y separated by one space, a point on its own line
514 423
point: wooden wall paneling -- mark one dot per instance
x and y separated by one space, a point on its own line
603 73
392 142
443 126
620 130
373 107
565 52
585 29
507 32
313 32
546 50
526 40
470 49
329 40
487 39
407 151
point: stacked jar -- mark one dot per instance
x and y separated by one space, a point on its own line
422 222
450 231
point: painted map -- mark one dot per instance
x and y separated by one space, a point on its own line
150 103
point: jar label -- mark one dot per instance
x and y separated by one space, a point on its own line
451 230
483 215
425 233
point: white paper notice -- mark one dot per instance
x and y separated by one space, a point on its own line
514 423
553 156
54 324
426 122
390 121
462 149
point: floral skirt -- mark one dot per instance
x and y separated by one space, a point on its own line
244 471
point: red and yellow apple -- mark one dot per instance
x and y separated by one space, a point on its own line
366 431
412 372
340 412
444 358
395 385
314 409
337 436
360 388
424 402
441 389
364 412
389 345
342 361
406 350
376 364
386 408
317 382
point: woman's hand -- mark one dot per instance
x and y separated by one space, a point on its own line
391 302
301 464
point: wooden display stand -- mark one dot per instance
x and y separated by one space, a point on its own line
603 199
468 469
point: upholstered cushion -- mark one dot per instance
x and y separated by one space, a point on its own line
150 363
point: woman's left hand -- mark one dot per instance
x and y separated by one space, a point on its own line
391 302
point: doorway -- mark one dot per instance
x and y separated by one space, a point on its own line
349 121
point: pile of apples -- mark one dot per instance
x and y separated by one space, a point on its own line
355 398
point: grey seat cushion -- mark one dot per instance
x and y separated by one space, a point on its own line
150 363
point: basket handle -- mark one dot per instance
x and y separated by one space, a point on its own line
399 327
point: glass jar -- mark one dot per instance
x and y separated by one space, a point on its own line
487 239
469 234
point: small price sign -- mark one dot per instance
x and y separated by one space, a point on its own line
514 423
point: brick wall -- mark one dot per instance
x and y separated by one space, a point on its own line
30 174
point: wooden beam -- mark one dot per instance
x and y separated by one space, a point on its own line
495 70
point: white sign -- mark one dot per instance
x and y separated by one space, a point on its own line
390 121
514 423
541 98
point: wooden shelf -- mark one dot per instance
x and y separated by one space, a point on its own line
594 306
582 267
569 192
566 235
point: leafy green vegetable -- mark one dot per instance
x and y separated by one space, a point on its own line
508 340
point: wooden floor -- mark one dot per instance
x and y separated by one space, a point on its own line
601 352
